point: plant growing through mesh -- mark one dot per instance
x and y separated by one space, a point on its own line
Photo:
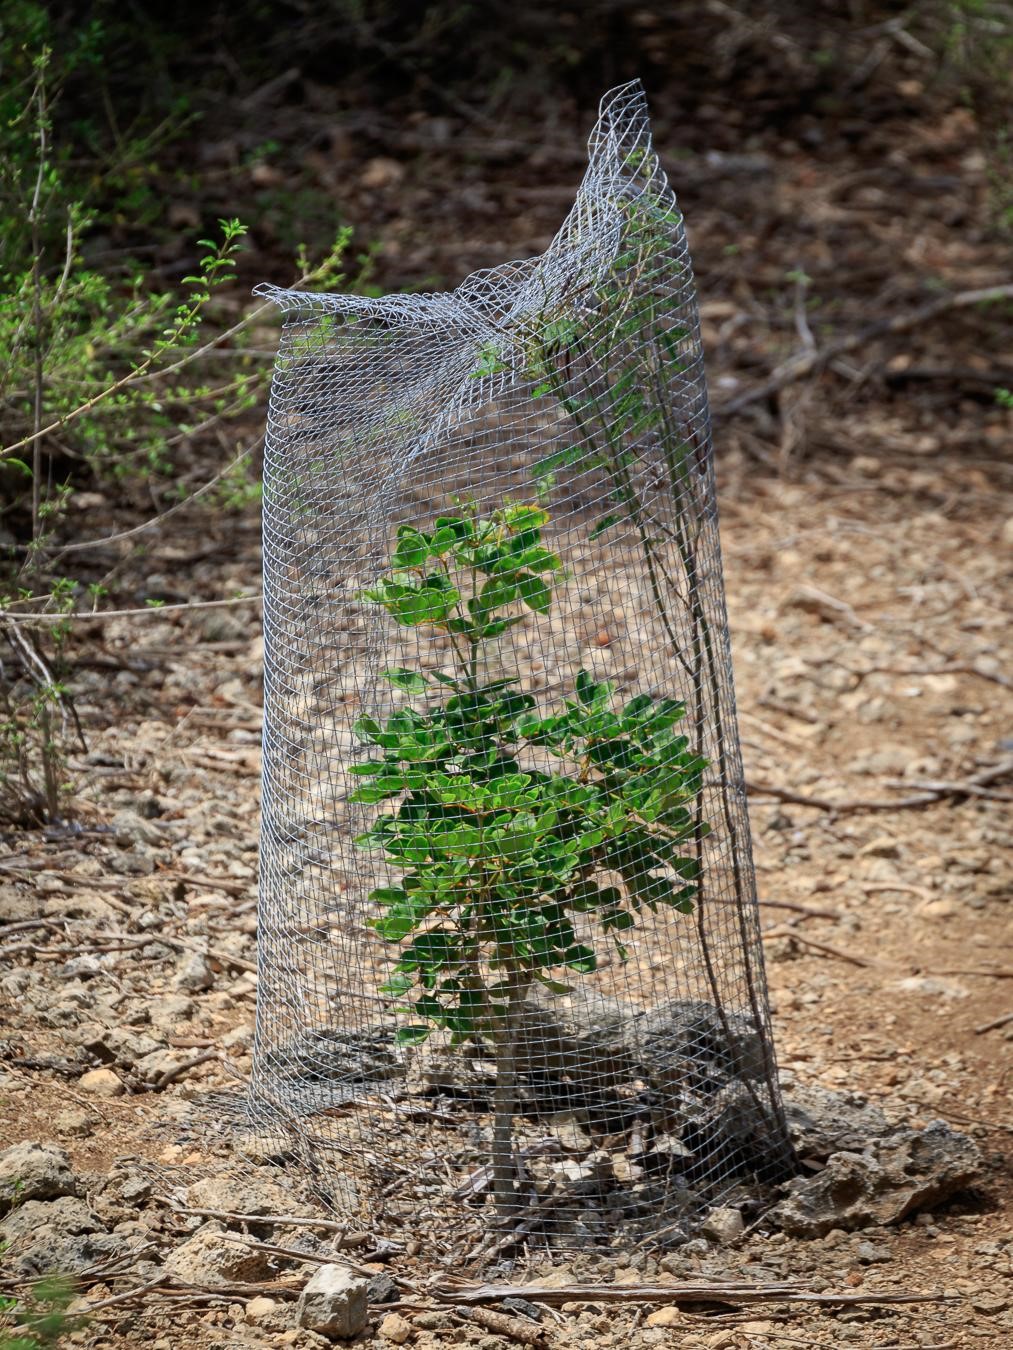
527 841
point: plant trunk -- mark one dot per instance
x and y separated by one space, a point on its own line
504 1172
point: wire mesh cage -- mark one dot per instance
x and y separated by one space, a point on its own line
510 969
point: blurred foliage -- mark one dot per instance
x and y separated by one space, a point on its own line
42 1319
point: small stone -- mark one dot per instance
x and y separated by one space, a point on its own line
75 1123
395 1328
869 1254
260 1309
81 967
31 1171
432 1321
335 1302
664 1317
265 1146
883 847
722 1340
723 1225
195 974
101 1083
383 1289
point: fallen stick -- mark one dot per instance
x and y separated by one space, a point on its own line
793 905
995 1024
345 1238
528 1333
808 362
970 786
101 615
779 932
673 1293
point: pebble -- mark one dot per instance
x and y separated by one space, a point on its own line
74 1122
723 1225
260 1309
664 1317
101 1083
383 1289
195 974
869 1254
81 967
395 1328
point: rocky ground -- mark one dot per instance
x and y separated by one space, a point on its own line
870 671
866 525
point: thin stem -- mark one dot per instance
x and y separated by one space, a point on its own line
504 1172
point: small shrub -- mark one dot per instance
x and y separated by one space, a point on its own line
510 826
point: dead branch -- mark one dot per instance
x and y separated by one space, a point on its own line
811 910
528 1333
101 615
995 1024
825 947
805 363
728 1292
345 1238
970 786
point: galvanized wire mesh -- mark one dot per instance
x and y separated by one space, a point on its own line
513 980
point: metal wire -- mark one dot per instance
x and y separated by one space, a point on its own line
570 385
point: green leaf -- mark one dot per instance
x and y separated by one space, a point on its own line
412 549
397 985
604 524
554 986
405 679
388 895
412 1035
534 592
394 927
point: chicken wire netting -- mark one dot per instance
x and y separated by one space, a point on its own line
510 977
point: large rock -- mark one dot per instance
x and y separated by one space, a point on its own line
62 1235
240 1195
906 1171
32 1171
334 1302
66 1216
822 1122
210 1257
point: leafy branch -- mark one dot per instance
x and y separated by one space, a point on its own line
519 833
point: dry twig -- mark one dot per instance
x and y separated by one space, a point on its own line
809 362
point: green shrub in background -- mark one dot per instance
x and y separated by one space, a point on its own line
40 1320
105 383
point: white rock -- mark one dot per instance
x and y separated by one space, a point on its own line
210 1257
723 1225
334 1302
101 1083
